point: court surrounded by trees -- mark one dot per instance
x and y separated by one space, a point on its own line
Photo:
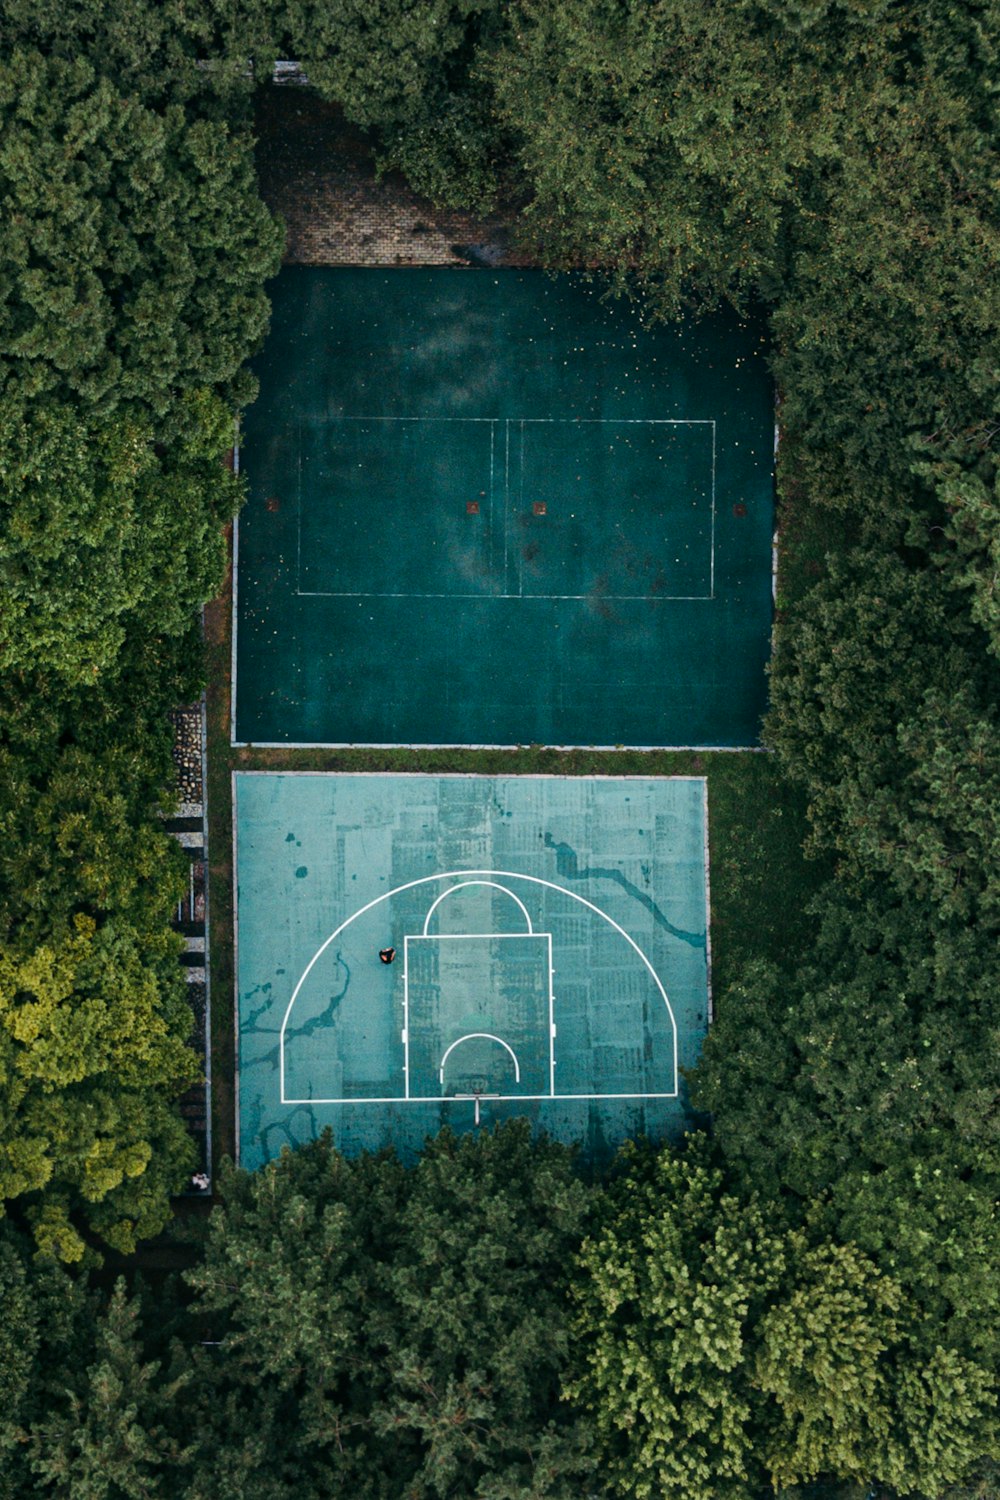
799 1298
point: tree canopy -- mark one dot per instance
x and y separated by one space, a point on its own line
485 1323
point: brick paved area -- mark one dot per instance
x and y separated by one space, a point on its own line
318 174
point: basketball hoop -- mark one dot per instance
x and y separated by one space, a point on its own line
479 1094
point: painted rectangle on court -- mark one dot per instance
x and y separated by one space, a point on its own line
548 943
652 538
360 484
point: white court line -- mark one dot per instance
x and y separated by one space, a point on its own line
708 906
481 776
542 598
464 745
711 553
521 423
440 1099
458 937
234 627
506 496
456 875
463 885
486 1036
236 961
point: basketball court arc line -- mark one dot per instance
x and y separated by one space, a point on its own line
486 1036
490 884
454 875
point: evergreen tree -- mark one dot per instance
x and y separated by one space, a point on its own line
410 1323
112 1439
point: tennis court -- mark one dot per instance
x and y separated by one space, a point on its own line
491 509
549 948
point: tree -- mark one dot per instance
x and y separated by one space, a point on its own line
44 1333
208 55
407 69
884 706
717 1349
412 1323
113 1434
657 139
90 499
126 275
974 529
92 1051
862 1075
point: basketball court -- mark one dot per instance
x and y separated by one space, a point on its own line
549 956
492 509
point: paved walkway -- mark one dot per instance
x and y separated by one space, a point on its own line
318 174
188 826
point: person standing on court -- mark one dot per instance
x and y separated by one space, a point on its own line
387 955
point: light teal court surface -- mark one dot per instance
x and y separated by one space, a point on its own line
493 509
551 956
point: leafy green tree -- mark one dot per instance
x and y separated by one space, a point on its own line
670 1288
209 55
407 70
126 273
92 1050
660 139
863 1074
113 1434
884 706
717 1350
86 501
974 530
44 1333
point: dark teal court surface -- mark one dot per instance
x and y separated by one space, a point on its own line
551 956
492 509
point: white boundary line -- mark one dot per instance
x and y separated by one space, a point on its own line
235 627
456 937
203 706
237 1070
477 776
708 910
520 423
711 553
542 598
464 745
454 875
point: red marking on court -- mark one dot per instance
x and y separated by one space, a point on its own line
472 507
539 508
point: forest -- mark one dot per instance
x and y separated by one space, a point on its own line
803 1298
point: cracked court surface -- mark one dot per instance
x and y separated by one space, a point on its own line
551 943
489 508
